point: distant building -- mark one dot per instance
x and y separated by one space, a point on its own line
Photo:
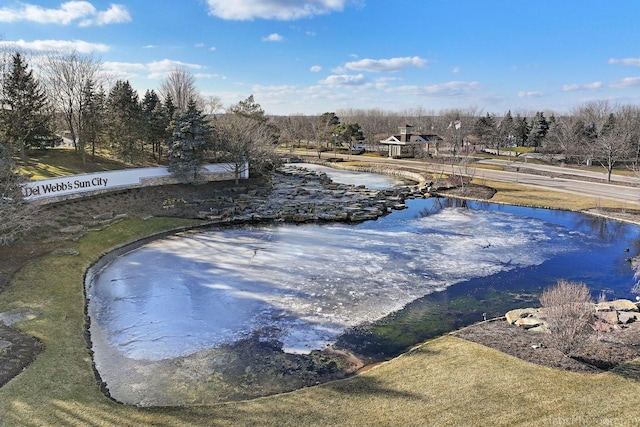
407 140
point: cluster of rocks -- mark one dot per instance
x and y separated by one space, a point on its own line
300 195
609 315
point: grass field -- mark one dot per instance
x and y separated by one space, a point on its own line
444 382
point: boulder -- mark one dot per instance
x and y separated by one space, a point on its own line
520 313
626 317
8 318
623 305
528 322
619 305
610 317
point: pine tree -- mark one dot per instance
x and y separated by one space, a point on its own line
124 118
506 128
188 144
539 128
92 116
521 130
155 122
25 119
249 108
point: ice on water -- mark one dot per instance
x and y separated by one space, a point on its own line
303 285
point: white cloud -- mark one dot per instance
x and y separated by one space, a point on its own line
455 70
56 45
153 70
275 37
344 80
82 11
530 94
286 10
212 48
581 88
149 46
449 89
625 61
316 68
117 14
626 83
386 65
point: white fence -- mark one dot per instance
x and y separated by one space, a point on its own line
76 185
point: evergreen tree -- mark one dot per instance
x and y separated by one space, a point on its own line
155 122
124 118
92 116
249 108
521 130
485 129
608 125
349 133
506 128
538 131
25 119
188 144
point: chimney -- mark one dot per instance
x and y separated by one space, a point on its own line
404 131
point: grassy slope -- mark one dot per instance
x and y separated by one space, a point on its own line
446 381
60 162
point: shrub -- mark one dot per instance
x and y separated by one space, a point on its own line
570 316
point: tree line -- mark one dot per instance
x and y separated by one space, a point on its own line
70 98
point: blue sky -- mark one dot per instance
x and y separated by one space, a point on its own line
313 56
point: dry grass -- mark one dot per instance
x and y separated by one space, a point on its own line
61 162
522 195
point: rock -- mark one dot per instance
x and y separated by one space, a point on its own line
66 252
528 322
519 313
610 317
619 305
73 229
623 305
8 318
626 317
4 345
104 215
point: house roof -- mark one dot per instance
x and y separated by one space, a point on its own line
414 138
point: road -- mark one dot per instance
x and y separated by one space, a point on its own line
566 180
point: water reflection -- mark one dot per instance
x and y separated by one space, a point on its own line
421 271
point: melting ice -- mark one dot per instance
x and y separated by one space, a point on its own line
303 284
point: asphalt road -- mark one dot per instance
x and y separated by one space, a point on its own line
623 190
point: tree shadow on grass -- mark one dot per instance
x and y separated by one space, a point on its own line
629 370
370 386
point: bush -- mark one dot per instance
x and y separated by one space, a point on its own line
570 316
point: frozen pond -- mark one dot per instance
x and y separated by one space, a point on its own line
370 180
305 285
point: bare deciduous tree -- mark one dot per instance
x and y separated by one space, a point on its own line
67 76
570 315
180 86
17 216
242 141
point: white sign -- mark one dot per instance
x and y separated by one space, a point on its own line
55 187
